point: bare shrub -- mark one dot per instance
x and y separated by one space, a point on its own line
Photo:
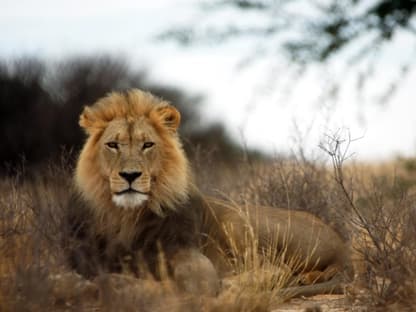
383 226
373 208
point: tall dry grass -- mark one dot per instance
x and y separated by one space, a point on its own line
371 207
35 275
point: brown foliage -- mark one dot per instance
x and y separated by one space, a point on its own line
375 206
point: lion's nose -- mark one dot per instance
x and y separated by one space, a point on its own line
130 176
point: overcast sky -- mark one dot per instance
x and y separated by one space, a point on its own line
253 102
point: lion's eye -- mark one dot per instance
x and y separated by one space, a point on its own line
113 145
147 145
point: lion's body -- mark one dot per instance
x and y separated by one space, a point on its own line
296 233
135 201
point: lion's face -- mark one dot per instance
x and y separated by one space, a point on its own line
130 160
133 157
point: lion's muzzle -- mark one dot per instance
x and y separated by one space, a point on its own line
130 189
130 199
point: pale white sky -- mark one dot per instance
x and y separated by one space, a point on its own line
252 102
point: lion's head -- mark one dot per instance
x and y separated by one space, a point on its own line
133 158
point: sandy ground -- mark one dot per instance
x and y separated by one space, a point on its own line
333 303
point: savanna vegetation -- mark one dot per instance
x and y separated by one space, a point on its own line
371 206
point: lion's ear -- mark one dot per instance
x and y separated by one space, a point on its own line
169 117
89 122
85 118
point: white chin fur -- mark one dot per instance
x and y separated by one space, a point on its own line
130 200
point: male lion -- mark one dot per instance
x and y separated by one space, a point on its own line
135 206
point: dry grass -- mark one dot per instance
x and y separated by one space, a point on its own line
35 276
371 206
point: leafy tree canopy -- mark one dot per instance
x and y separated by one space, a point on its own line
312 32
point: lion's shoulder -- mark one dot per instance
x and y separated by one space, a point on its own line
181 226
91 248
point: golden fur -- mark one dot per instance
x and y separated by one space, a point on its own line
135 180
111 118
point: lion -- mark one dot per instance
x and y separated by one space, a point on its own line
136 205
